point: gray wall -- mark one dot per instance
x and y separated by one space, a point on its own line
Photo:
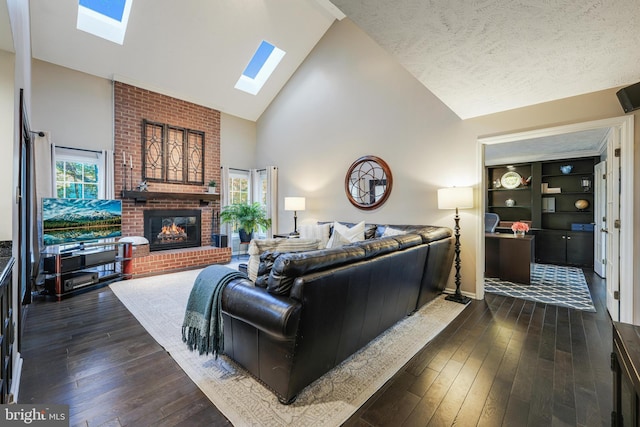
7 108
348 99
75 107
237 142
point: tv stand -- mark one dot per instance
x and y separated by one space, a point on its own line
76 269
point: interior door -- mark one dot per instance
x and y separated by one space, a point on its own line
612 266
600 215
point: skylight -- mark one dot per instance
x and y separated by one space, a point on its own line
264 61
104 18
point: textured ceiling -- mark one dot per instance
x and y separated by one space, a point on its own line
485 56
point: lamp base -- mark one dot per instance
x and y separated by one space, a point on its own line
459 298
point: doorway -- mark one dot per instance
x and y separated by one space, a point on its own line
619 241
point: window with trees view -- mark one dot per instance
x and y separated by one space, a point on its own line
239 187
77 179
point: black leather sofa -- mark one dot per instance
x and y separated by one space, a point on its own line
321 306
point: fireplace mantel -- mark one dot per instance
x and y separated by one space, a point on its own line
143 196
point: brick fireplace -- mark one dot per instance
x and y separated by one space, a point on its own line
133 107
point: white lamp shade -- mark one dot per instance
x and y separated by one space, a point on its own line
455 197
294 203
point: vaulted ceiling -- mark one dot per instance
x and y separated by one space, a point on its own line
479 57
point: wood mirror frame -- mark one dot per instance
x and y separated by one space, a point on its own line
368 182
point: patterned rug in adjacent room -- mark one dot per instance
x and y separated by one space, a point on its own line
551 284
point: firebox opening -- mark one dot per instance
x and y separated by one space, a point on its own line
172 229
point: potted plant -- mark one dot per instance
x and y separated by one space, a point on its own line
247 217
213 185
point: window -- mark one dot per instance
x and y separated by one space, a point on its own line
239 186
262 64
105 19
78 174
261 187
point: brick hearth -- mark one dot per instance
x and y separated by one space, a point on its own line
147 264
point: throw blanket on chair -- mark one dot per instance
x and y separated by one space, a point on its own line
202 326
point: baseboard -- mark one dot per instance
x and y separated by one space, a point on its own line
15 381
466 294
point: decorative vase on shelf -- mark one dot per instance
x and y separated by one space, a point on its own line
566 169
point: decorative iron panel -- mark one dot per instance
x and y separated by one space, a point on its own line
153 151
175 154
172 154
195 160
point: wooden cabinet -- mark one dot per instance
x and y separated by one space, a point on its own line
564 247
557 197
7 330
625 364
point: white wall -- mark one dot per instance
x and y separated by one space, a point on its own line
7 112
237 142
348 99
75 107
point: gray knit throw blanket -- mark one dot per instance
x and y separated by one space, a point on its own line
202 326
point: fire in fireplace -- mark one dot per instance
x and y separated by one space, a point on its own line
172 229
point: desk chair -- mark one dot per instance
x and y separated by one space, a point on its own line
491 221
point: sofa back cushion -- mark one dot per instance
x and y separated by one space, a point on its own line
429 233
375 247
407 240
291 265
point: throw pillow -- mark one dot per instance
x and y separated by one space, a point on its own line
259 246
338 240
388 231
256 248
370 231
316 231
266 263
353 234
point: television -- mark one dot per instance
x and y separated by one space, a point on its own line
67 221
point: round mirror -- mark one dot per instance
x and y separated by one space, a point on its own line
368 182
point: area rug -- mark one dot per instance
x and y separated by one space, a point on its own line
159 302
550 284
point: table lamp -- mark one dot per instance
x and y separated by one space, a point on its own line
294 204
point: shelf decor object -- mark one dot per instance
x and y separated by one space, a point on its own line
566 169
456 198
294 204
519 228
581 204
511 180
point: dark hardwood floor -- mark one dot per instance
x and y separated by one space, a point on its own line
503 361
